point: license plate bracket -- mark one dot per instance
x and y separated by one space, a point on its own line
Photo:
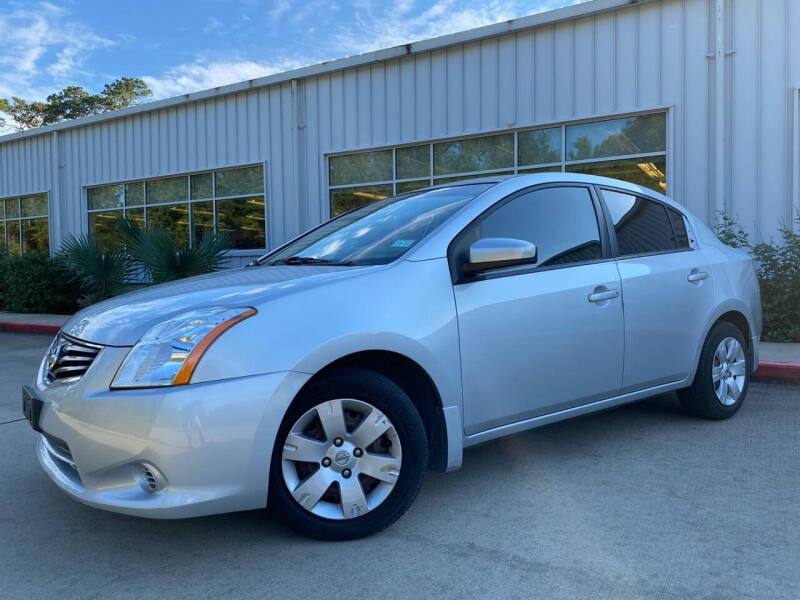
32 407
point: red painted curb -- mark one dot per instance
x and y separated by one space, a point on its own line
776 371
30 327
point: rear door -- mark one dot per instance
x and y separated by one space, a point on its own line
538 339
667 288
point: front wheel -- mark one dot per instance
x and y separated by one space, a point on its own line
723 375
349 457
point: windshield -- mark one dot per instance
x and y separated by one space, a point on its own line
379 232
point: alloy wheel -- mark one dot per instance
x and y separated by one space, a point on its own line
341 459
729 371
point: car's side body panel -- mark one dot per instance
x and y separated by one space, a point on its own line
421 325
532 343
664 315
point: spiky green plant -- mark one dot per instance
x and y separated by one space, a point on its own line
166 260
102 274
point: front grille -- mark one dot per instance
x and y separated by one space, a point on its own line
68 359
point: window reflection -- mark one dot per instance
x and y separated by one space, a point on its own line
617 137
648 172
361 167
168 206
413 161
476 154
110 196
24 224
238 182
169 189
173 219
35 235
243 220
345 199
103 229
13 231
202 220
539 146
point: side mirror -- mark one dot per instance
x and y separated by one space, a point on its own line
496 253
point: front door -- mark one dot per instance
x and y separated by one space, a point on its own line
542 338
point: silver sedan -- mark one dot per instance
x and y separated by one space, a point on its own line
326 378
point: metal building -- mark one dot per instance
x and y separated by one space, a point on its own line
698 98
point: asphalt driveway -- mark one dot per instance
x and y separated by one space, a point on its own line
639 502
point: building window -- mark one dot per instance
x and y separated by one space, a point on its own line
631 148
24 225
188 206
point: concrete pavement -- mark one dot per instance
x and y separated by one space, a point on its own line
639 502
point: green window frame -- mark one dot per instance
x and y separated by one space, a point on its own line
630 147
25 224
187 205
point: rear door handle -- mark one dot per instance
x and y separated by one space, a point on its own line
696 276
602 296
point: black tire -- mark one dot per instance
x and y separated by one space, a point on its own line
700 398
382 393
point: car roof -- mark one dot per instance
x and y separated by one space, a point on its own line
529 179
526 179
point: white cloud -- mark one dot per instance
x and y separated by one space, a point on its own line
43 50
213 24
279 8
201 75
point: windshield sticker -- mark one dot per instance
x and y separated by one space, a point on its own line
403 243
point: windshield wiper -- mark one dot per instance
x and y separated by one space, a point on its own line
309 260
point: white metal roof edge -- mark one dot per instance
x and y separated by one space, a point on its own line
592 7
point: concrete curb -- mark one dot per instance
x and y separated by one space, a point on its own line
29 327
777 371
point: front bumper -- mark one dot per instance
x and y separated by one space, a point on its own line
209 444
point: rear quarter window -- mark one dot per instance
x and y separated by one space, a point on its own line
641 225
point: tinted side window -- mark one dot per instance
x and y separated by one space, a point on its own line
560 221
641 225
678 228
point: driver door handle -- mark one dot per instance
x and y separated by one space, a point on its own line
603 296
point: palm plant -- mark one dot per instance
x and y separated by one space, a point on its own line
164 259
102 274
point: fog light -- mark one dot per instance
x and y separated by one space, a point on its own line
149 478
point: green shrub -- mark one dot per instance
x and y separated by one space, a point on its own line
779 276
36 283
3 275
164 259
778 268
101 274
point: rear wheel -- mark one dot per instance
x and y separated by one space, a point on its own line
723 375
349 457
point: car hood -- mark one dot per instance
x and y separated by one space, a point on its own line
121 321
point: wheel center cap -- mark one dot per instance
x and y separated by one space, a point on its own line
341 458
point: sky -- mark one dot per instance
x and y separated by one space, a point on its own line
182 46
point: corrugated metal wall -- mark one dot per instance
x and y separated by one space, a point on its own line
657 54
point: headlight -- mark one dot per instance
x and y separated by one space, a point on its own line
170 351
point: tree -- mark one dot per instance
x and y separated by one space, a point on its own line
125 92
26 116
74 102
